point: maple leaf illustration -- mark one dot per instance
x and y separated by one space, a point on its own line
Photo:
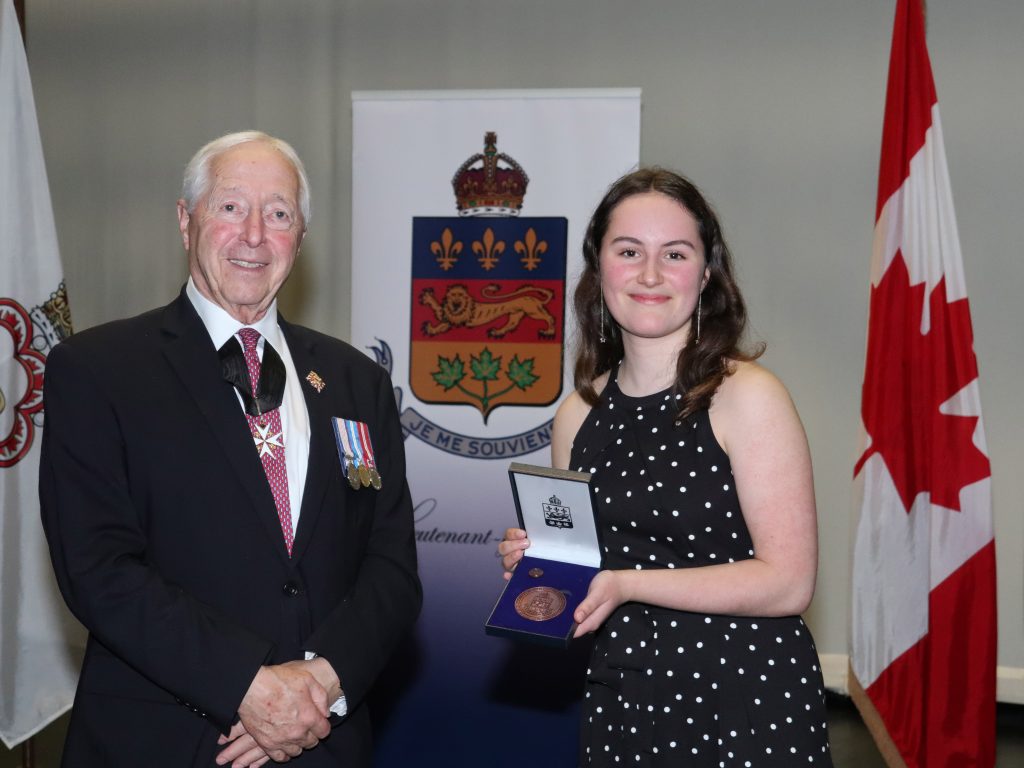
520 372
907 377
449 373
486 367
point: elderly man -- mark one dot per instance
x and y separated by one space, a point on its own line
225 502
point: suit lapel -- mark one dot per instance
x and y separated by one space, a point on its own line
190 352
323 451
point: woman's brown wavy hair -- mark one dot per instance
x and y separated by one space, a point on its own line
702 366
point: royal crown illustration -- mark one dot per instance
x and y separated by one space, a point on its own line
485 188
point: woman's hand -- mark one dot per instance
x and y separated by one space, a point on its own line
511 549
608 590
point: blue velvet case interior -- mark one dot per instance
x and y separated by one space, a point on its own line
568 578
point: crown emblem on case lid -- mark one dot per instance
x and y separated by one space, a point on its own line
485 188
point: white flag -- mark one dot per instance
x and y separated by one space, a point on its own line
40 644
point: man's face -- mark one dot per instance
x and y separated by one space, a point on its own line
244 234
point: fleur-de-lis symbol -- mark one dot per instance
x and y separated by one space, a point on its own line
488 251
531 248
447 251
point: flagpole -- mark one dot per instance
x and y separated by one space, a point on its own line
28 746
873 722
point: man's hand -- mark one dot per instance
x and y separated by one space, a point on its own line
242 750
285 710
324 674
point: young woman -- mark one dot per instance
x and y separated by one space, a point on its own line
705 502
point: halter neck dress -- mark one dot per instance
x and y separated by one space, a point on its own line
675 688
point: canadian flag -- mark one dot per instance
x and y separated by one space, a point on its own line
923 655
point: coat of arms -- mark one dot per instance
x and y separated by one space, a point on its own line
488 294
556 514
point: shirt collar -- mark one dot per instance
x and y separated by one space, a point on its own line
221 326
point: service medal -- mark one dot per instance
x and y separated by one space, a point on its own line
367 448
353 474
540 603
345 453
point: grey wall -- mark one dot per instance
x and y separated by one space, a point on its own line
775 108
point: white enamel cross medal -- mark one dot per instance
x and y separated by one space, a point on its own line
266 442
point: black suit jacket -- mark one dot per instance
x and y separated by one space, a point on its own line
166 544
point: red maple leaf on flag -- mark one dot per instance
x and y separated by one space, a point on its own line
908 375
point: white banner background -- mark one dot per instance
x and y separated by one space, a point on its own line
459 694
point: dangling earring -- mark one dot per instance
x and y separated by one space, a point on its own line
601 337
699 297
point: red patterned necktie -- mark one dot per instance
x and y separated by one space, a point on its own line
269 437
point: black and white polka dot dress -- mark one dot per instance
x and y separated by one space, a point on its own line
673 688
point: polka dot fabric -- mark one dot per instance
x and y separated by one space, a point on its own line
672 688
272 456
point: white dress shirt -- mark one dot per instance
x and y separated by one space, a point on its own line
294 418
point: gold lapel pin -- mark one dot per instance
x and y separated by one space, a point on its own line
314 379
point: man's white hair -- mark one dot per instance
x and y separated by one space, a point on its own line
197 173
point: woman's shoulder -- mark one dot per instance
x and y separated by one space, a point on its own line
569 417
748 381
748 396
574 409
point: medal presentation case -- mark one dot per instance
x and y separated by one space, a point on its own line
556 509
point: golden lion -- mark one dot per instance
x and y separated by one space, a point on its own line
458 309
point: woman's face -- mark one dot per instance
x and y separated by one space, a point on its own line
652 267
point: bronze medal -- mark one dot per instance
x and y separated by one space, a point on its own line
364 475
540 603
353 475
535 572
375 478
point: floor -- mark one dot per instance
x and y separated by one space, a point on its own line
852 746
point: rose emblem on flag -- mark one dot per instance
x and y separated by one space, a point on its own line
488 294
21 382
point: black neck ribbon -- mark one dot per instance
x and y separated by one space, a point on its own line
269 389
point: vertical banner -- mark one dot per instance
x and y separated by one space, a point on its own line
40 645
924 591
468 214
